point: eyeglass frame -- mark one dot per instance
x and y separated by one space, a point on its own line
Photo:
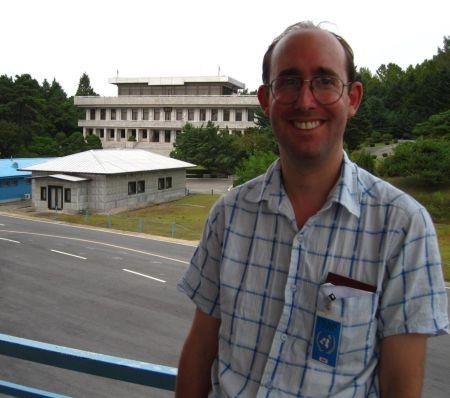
310 81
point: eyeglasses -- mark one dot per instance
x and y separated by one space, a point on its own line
326 89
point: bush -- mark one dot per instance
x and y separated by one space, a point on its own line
426 159
364 159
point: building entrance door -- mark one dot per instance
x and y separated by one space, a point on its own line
55 198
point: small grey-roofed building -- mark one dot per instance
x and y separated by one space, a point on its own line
107 181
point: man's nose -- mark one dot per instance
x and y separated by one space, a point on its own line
306 99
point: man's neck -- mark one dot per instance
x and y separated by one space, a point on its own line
308 185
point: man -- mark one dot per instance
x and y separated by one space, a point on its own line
316 279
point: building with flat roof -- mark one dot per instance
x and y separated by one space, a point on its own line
149 112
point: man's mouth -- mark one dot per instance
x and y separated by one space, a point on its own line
309 125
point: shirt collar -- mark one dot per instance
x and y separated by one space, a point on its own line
271 188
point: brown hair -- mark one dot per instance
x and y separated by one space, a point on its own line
351 70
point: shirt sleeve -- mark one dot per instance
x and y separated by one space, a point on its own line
201 282
414 299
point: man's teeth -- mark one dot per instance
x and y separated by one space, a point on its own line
306 125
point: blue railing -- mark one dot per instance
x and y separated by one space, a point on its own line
111 367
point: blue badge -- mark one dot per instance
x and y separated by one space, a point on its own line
327 333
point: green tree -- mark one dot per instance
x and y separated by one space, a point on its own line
254 166
93 142
74 143
9 139
435 126
208 147
42 145
84 86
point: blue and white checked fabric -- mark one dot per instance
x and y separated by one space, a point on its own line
262 276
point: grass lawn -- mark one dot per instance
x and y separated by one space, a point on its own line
182 219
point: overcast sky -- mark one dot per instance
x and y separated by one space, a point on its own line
138 38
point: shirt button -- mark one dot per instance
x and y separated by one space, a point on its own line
269 385
283 337
293 288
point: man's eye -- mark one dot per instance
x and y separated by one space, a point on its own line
325 81
289 82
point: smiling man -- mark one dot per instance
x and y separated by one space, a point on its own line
315 279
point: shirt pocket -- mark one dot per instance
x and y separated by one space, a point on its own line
356 311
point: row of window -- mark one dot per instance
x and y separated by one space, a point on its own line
146 113
67 194
135 187
155 135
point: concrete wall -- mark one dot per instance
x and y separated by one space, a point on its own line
79 194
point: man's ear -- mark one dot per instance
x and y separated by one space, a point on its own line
263 97
355 97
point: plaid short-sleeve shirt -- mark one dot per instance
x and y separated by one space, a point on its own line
262 277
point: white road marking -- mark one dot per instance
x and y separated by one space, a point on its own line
68 254
146 276
447 287
2 225
98 243
10 240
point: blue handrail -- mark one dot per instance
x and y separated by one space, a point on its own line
111 367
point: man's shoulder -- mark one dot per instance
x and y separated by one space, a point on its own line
377 192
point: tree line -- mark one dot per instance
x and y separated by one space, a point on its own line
40 119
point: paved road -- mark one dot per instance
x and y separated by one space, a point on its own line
90 302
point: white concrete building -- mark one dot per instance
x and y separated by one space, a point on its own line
106 181
148 113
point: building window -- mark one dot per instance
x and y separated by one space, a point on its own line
132 188
179 114
250 115
43 193
92 114
161 183
167 114
134 114
177 133
144 134
155 136
102 114
113 114
190 114
145 114
226 115
122 134
111 133
67 195
156 114
202 114
141 186
123 114
238 115
167 136
101 133
168 182
214 113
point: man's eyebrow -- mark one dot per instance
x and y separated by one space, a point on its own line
323 71
289 72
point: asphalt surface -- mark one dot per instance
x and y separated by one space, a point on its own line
89 302
105 300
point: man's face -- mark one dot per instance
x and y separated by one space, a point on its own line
306 130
